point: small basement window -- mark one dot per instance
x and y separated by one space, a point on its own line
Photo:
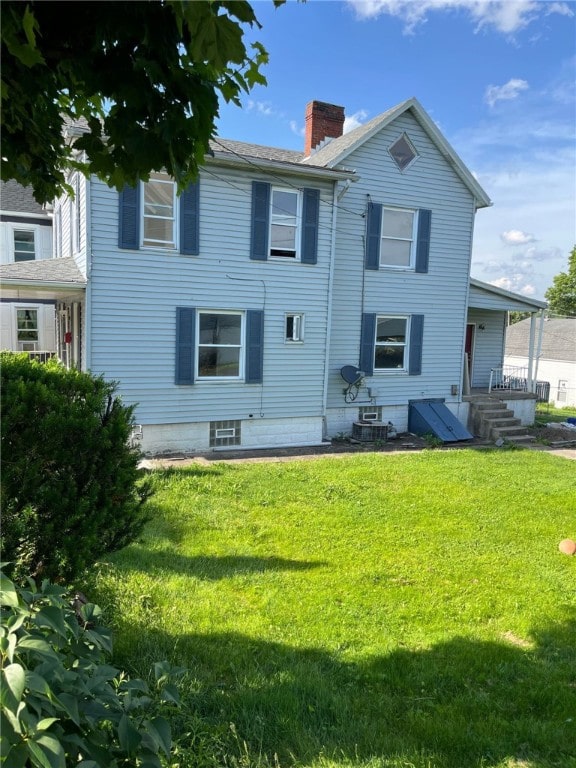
223 433
368 413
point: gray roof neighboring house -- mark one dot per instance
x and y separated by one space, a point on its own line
46 272
558 339
16 198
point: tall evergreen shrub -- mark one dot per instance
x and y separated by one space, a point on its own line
70 484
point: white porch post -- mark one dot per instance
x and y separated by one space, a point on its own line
539 346
530 383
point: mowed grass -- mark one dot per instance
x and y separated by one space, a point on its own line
381 610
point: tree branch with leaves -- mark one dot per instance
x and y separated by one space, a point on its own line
143 81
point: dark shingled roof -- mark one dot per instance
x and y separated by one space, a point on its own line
15 197
257 151
558 339
44 271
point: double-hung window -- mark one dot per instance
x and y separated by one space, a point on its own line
24 245
220 344
397 238
284 223
159 212
390 343
27 332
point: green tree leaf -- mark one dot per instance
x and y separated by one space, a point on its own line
13 683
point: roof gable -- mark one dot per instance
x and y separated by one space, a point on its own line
338 150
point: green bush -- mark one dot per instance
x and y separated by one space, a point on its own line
71 488
61 703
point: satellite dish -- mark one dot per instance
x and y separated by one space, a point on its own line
351 374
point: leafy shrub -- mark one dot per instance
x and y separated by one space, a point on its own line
61 703
70 480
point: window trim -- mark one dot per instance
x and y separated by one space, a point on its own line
241 347
411 266
298 225
174 244
405 345
300 317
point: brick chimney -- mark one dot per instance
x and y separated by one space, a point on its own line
322 121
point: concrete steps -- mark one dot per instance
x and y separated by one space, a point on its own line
492 420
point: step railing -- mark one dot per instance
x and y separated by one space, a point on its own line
42 356
509 378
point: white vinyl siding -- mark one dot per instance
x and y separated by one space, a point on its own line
440 294
134 296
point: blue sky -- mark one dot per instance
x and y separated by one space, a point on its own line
497 76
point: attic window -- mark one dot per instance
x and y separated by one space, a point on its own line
402 152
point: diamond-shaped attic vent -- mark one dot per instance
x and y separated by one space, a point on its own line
403 152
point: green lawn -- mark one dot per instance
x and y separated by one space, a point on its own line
381 610
546 412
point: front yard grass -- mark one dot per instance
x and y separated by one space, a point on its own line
387 611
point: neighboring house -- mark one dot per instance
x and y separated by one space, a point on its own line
286 294
556 356
26 318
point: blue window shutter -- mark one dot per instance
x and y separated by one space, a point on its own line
367 338
254 346
260 220
190 220
129 217
373 228
185 343
423 240
310 219
415 350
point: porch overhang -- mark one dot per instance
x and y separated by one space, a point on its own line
46 279
485 296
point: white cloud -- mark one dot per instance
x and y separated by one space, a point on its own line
516 237
516 283
506 16
507 92
295 128
262 107
355 120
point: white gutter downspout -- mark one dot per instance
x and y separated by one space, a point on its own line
87 319
335 199
530 382
539 347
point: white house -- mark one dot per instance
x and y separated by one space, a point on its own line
556 351
285 295
27 321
